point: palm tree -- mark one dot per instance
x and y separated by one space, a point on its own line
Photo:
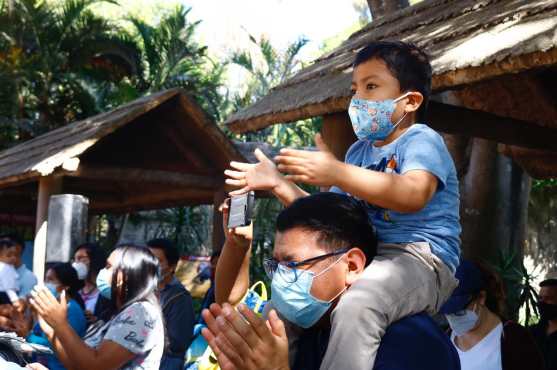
276 67
51 58
172 58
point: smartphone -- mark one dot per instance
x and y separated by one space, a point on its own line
241 210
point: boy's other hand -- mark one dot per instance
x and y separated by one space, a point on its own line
318 168
253 176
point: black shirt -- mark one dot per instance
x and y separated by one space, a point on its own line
546 343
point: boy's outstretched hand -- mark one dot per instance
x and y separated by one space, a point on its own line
318 168
243 341
253 176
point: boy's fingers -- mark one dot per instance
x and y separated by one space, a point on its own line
296 153
287 160
235 182
240 191
236 175
320 144
261 157
297 178
241 166
292 170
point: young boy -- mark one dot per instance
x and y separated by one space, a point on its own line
9 278
404 173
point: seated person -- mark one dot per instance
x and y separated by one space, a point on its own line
27 278
545 331
62 277
476 315
322 245
9 278
97 307
176 304
132 339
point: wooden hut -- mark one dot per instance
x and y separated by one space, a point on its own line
155 152
494 76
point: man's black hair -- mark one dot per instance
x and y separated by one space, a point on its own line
169 249
14 238
341 221
407 63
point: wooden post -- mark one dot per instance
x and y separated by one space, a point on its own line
337 133
218 232
48 186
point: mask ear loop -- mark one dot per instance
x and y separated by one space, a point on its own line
405 113
327 269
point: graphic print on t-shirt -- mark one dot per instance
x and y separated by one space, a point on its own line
386 166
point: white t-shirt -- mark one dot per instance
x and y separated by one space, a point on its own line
485 355
138 328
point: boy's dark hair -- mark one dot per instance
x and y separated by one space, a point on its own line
408 64
14 238
169 249
341 221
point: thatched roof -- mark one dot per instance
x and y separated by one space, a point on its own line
160 150
467 40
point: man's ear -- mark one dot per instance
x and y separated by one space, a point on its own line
356 264
414 101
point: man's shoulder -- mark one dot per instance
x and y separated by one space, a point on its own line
417 334
175 292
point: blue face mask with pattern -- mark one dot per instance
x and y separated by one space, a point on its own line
290 292
371 119
103 283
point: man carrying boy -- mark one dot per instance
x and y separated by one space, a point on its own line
405 175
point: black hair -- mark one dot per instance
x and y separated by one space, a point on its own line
494 288
215 254
139 271
6 244
407 63
14 238
97 257
67 276
169 249
341 221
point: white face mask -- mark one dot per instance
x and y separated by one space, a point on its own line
462 322
81 269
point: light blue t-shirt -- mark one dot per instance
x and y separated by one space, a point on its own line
419 148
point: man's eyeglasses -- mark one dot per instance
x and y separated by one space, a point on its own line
271 265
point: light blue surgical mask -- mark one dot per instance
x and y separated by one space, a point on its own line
53 289
371 119
290 292
104 284
462 322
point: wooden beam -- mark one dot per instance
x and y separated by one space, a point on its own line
452 119
218 232
140 175
48 186
337 133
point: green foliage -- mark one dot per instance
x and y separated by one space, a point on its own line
520 291
50 59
